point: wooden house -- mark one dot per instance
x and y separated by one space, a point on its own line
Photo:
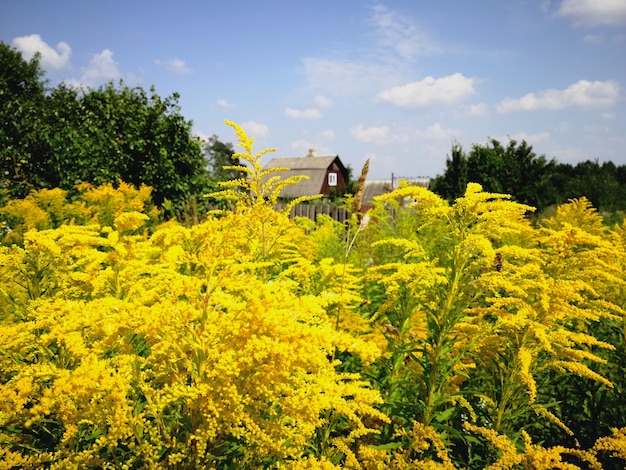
325 175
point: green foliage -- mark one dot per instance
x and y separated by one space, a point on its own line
603 185
22 98
514 169
531 179
453 182
219 158
120 133
62 137
326 239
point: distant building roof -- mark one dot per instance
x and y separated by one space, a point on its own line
312 166
375 188
423 181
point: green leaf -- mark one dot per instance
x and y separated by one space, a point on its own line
445 415
388 446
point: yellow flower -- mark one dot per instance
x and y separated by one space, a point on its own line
129 221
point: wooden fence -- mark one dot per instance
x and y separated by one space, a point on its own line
313 210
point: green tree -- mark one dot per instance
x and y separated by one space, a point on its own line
453 182
120 133
219 156
513 169
598 183
221 167
63 136
22 94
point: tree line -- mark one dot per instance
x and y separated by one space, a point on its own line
531 179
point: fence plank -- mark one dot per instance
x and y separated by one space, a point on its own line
311 211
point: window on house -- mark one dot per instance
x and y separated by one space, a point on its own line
332 179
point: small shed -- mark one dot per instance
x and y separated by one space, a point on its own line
325 174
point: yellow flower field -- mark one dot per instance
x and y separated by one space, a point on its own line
436 335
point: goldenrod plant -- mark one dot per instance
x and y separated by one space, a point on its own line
180 348
261 187
485 316
51 208
424 335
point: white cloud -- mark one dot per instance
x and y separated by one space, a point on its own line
384 166
474 110
254 129
222 103
434 136
327 134
400 34
372 157
310 113
583 94
371 135
434 133
388 165
427 145
430 91
323 102
591 131
101 67
386 57
594 12
346 77
50 57
174 65
608 116
593 39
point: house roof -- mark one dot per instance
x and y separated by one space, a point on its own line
311 166
375 188
301 163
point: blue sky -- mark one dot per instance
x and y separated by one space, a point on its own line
396 82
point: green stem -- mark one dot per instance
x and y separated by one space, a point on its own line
326 436
510 385
343 275
502 407
445 324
